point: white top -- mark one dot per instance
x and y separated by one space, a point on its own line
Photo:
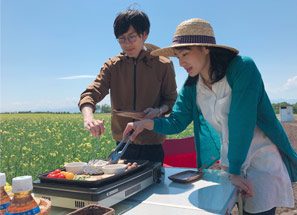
2 179
263 165
22 183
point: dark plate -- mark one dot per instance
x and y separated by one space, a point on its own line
186 176
141 164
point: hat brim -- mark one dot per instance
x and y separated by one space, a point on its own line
169 51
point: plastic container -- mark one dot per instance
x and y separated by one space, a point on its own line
76 167
93 209
114 168
4 197
22 201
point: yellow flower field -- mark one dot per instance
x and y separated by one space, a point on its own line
35 143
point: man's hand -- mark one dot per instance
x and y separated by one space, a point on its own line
245 187
96 127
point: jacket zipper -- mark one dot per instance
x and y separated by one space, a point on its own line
134 99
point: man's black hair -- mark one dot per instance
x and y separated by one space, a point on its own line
138 19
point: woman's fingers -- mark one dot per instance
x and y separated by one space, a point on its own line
136 126
148 110
151 113
249 191
225 168
245 186
135 133
128 128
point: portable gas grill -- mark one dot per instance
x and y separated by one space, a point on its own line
112 191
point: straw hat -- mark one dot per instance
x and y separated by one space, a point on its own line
192 32
151 47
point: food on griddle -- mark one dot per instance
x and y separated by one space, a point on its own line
69 175
121 161
94 167
92 172
60 174
98 162
131 165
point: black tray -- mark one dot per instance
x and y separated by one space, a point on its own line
141 165
186 176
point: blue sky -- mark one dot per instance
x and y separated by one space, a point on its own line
52 49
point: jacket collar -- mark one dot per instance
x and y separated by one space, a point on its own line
144 56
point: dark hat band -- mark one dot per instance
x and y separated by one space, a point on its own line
193 39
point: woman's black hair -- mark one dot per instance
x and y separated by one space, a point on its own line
138 19
220 59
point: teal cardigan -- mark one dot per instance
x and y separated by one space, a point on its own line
250 106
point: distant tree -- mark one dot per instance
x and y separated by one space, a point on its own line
276 107
105 108
98 108
295 108
25 111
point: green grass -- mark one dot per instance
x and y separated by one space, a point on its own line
36 143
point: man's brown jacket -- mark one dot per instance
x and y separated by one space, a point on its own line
134 85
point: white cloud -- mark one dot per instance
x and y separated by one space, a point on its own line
77 77
286 91
291 84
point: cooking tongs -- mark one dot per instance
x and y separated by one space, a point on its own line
115 155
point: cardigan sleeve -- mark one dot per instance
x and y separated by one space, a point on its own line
181 115
247 88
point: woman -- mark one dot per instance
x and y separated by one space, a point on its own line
233 118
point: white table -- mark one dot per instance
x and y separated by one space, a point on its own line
213 194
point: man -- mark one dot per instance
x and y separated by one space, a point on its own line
137 81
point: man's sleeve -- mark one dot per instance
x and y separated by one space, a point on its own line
168 89
97 90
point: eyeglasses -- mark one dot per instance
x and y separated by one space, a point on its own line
131 39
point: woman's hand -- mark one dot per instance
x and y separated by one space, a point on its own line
225 168
151 113
245 187
138 127
96 127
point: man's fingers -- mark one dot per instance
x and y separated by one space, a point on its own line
99 126
96 127
93 132
87 127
